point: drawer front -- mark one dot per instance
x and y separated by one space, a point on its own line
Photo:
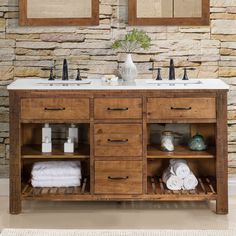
118 108
118 177
55 108
181 108
118 140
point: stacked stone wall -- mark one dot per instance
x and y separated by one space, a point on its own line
24 51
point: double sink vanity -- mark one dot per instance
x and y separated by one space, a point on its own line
118 158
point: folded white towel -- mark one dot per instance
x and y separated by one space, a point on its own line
172 182
56 168
72 182
46 178
190 182
180 168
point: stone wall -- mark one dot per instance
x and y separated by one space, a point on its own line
24 51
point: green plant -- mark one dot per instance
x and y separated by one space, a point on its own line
134 40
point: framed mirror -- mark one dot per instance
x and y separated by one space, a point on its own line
58 12
169 12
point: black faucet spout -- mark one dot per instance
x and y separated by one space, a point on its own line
172 70
65 70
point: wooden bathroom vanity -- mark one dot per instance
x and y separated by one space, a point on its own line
119 160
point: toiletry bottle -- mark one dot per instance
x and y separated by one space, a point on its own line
69 146
46 145
73 134
46 133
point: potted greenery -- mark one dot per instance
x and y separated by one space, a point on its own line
132 41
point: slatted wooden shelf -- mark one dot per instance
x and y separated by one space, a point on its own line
206 190
55 193
34 151
180 152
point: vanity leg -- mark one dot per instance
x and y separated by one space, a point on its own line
221 155
15 158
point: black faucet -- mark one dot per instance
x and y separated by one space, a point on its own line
65 70
172 70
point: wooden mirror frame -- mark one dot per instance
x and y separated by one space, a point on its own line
178 21
24 21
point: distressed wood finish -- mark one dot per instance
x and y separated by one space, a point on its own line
55 109
133 19
130 154
181 108
222 155
118 140
118 177
15 158
118 108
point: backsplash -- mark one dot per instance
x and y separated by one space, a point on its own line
24 51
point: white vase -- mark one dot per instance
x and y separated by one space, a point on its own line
129 70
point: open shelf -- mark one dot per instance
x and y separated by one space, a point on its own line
206 190
55 193
154 151
34 151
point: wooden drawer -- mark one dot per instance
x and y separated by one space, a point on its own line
118 177
181 108
118 140
118 108
55 108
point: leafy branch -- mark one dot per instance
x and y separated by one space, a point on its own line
134 40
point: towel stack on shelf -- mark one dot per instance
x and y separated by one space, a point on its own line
56 174
179 176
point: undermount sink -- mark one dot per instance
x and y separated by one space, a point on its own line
173 82
64 83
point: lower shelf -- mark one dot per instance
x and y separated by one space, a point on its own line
206 190
156 191
55 193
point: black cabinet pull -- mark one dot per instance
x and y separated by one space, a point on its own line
118 177
118 140
181 108
54 108
118 109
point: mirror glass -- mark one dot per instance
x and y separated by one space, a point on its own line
154 8
169 12
187 8
169 8
59 8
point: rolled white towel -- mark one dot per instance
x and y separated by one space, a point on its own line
190 182
172 182
180 168
69 182
56 168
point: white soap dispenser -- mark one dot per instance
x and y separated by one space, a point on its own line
69 146
74 135
46 145
46 133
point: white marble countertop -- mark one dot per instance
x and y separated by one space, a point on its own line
97 84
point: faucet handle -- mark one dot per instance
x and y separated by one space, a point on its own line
51 76
78 77
185 77
158 72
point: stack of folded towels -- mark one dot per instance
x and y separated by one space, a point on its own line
179 176
56 174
